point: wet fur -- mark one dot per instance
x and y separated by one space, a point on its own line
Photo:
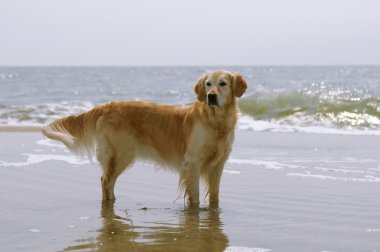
194 140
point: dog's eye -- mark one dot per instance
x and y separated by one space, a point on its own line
222 84
208 84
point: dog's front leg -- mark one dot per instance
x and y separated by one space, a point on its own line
189 180
213 181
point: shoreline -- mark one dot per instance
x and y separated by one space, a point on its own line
245 124
20 128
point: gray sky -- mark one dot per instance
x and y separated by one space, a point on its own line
196 32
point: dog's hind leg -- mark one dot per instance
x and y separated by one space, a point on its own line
113 164
115 167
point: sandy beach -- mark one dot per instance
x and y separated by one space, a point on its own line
279 192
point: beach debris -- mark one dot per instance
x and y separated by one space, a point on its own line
154 208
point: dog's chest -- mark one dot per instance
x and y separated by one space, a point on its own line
207 144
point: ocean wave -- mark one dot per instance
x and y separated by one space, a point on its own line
289 109
285 111
36 115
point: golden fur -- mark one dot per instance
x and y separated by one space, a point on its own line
194 140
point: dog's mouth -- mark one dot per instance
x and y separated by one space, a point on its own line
212 100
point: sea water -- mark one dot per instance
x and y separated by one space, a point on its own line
280 192
319 99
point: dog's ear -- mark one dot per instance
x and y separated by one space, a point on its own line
200 88
239 84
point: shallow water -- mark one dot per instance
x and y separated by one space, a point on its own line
280 192
163 229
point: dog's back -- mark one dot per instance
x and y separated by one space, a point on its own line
149 130
146 125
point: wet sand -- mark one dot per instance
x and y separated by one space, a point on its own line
279 192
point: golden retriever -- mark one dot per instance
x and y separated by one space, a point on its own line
194 140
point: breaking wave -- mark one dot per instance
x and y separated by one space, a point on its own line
295 108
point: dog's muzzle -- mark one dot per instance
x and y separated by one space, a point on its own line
212 99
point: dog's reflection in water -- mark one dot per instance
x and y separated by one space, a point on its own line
196 230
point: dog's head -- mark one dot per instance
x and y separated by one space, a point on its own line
219 88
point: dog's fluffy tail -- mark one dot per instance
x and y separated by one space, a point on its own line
76 132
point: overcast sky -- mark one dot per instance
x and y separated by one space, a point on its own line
196 32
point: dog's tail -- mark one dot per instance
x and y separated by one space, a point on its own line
76 132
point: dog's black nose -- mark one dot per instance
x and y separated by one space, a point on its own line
212 99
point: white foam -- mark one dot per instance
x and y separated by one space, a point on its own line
241 161
336 170
231 172
366 179
248 123
245 249
50 143
367 176
372 230
35 159
270 165
34 230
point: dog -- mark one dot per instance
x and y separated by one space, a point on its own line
194 140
